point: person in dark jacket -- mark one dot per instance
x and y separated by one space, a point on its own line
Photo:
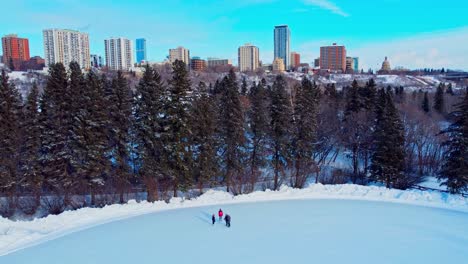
213 219
227 218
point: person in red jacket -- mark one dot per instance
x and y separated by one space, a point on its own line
220 214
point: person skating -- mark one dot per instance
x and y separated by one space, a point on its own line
220 214
213 219
227 218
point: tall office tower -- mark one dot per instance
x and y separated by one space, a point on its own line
65 46
333 58
295 60
179 53
282 37
141 50
119 54
356 64
15 51
248 56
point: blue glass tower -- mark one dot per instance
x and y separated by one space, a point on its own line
282 39
141 50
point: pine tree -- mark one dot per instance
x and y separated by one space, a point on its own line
11 65
259 120
148 125
367 95
10 116
388 153
353 101
425 103
450 89
30 146
439 98
206 164
56 132
305 131
119 101
96 145
244 86
281 120
177 130
232 129
454 172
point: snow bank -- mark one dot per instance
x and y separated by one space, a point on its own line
15 235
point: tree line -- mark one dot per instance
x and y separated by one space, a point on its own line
88 136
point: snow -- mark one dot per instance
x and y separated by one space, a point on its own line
16 235
18 75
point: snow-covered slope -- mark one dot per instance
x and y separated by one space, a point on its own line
15 235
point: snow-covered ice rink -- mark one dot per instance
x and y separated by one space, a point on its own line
291 231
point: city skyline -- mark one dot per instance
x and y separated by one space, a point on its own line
413 39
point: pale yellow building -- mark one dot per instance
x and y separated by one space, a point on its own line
248 56
278 65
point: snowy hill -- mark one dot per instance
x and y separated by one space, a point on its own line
319 229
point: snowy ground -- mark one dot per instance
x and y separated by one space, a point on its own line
319 224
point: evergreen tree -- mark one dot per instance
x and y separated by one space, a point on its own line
454 172
30 145
281 120
450 89
305 131
57 158
353 101
177 130
425 103
232 129
119 102
367 95
11 65
96 122
149 113
388 155
206 164
439 98
244 86
259 120
10 116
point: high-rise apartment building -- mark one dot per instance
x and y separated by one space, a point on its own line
179 53
65 46
15 51
333 58
282 42
119 54
349 65
295 60
248 56
214 62
141 50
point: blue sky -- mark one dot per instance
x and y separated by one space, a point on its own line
412 33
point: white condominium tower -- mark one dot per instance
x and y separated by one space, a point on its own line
248 56
65 46
119 54
180 53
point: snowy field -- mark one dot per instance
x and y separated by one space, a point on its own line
319 224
